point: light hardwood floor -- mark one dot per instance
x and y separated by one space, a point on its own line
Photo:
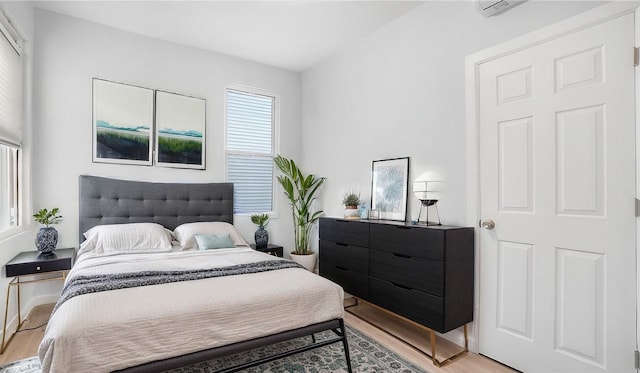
25 343
417 337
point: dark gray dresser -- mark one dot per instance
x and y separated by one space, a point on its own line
422 273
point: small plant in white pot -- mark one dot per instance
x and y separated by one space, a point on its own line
351 201
300 189
47 237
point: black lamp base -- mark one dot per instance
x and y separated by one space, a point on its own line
427 203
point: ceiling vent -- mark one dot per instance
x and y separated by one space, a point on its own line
493 7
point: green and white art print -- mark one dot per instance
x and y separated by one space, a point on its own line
180 131
390 182
122 123
130 122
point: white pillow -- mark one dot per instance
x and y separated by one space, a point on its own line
112 238
186 233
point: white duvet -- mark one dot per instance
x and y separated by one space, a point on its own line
115 329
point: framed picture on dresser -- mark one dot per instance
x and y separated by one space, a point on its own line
389 188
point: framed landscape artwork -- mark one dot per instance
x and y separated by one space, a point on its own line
122 123
180 131
389 186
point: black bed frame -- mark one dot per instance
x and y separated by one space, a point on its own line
337 326
111 201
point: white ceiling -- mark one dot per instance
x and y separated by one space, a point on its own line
292 35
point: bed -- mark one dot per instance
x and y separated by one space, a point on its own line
196 305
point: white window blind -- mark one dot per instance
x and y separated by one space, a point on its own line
10 92
250 150
10 123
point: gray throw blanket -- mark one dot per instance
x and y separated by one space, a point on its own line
83 284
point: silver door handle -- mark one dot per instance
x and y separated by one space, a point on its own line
488 224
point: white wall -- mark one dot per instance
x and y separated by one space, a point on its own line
70 52
400 92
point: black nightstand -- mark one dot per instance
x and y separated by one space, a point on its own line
30 263
275 250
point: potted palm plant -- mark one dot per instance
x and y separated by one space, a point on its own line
300 189
47 237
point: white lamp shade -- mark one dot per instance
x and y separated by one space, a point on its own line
425 189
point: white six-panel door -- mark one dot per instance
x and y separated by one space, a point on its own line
557 176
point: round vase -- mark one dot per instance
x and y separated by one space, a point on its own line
262 238
46 240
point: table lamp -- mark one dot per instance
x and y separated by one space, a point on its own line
428 191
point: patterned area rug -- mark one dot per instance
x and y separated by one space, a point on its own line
367 355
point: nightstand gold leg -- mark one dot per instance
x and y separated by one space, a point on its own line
19 313
6 314
16 282
37 265
6 311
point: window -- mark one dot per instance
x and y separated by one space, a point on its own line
9 187
250 134
10 123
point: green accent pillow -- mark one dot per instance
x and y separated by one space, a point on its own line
213 241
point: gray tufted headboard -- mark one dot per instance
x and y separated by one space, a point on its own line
111 201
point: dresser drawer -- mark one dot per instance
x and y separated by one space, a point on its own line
413 241
346 256
351 281
344 231
413 272
415 305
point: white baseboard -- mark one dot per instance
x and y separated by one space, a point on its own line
457 336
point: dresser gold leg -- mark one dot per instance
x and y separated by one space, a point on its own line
451 358
433 338
433 348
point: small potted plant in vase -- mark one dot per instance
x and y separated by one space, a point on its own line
351 201
47 237
261 236
300 189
